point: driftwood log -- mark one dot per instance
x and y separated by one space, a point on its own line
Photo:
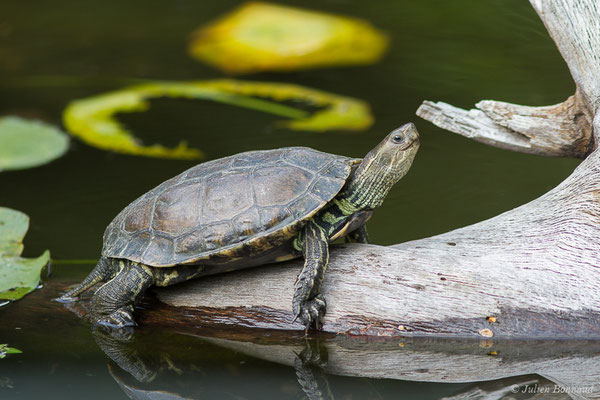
182 334
531 272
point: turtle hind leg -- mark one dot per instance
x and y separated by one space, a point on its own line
102 272
112 304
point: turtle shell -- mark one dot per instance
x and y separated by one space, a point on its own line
228 209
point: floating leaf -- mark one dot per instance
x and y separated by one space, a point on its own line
268 37
338 112
18 276
4 350
93 119
26 143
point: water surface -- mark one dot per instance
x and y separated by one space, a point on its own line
52 52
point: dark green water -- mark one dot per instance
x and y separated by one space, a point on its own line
53 52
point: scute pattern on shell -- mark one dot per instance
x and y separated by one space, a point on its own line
227 208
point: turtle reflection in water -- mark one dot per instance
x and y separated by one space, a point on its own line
158 364
241 211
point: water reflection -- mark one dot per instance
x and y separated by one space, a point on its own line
309 365
171 359
166 364
521 387
173 373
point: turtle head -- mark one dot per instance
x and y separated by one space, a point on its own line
394 155
382 167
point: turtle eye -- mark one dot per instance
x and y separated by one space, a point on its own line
398 139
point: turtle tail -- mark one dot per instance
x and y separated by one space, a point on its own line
102 272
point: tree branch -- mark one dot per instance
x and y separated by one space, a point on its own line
564 129
575 28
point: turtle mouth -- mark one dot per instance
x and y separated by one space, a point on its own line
411 144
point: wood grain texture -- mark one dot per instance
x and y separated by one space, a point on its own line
575 28
563 129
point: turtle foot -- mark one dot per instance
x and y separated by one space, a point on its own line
313 354
120 318
311 312
113 337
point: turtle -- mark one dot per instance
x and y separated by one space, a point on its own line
241 211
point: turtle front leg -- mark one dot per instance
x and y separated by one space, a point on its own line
358 236
308 304
112 304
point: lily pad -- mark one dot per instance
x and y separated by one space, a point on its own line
18 276
269 37
27 143
93 119
4 350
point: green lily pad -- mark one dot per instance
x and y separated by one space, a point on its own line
26 143
93 119
4 350
18 276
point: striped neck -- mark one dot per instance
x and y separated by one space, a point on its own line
381 168
367 189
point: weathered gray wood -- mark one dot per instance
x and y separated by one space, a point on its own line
563 129
534 270
575 28
474 124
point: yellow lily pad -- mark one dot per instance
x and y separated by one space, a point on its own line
18 276
93 119
268 37
339 112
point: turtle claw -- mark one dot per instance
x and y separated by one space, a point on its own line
66 299
311 312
